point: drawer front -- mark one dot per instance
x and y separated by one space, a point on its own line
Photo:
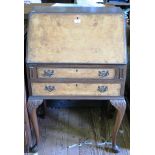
75 89
76 73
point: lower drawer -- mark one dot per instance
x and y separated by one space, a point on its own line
75 89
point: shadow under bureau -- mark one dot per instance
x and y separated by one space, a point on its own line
76 53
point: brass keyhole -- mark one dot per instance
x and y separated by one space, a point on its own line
77 20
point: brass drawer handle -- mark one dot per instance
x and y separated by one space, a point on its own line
48 73
103 73
50 88
102 89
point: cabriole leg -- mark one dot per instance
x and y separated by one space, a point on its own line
120 105
33 104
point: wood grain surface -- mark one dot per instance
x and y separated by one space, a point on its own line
28 7
75 89
76 73
63 128
58 38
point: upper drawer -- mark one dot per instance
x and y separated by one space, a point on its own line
77 38
107 73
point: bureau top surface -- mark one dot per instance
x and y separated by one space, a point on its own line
76 35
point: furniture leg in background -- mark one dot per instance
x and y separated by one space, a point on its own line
28 137
27 129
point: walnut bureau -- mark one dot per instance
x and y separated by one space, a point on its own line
77 53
